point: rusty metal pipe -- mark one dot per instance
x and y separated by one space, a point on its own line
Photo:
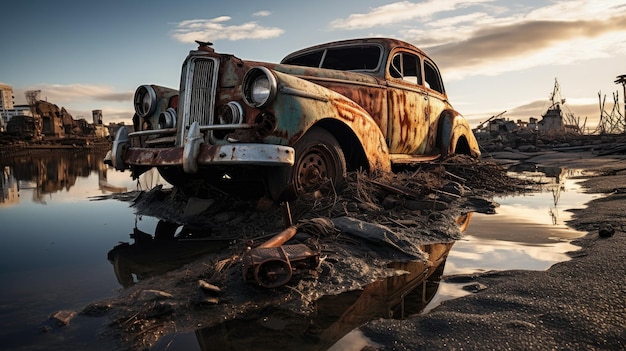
280 238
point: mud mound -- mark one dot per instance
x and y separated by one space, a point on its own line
358 228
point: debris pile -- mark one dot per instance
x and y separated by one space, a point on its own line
530 141
336 239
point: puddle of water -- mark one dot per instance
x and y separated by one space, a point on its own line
527 232
56 247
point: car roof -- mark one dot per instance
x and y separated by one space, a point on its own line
387 43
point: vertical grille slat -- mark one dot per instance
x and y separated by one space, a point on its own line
197 94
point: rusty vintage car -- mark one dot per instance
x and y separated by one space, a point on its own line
322 111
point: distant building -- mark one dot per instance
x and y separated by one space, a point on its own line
56 121
6 103
17 110
97 117
552 120
6 97
500 125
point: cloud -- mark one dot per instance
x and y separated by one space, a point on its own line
490 37
60 94
501 48
402 11
215 29
261 14
495 39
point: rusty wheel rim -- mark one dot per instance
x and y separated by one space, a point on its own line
314 167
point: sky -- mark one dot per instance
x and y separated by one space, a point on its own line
494 55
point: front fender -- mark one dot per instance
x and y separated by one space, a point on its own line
454 129
300 104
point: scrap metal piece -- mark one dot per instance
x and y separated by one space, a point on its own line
281 237
271 267
286 211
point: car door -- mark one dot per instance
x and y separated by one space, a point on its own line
409 113
437 102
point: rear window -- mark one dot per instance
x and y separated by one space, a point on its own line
347 58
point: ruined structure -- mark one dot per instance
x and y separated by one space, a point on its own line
47 121
613 121
553 122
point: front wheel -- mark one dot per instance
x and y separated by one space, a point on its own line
318 158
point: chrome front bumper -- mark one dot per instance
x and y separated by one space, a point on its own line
196 152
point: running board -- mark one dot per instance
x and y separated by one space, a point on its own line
403 159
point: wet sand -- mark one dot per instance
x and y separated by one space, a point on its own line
579 304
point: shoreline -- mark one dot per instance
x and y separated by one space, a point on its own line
577 304
25 149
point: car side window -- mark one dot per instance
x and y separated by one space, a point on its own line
432 77
311 59
352 58
407 67
396 66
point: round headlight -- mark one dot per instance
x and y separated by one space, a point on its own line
167 119
259 87
260 90
231 113
145 100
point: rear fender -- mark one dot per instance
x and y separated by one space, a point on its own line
455 135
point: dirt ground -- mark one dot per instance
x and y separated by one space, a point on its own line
578 304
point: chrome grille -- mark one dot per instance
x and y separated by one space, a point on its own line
197 94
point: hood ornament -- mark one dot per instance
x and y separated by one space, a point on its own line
205 45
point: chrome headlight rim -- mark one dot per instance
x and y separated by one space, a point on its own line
259 87
230 113
145 101
167 119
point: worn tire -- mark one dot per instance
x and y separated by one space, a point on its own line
318 157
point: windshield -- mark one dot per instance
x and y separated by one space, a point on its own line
345 58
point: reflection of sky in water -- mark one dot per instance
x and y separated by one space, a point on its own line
527 232
53 253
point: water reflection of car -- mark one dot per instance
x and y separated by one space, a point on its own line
150 255
275 328
348 105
